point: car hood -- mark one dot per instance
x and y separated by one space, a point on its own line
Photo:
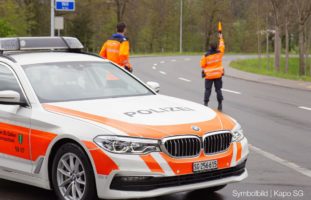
153 116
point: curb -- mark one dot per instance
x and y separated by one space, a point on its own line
274 84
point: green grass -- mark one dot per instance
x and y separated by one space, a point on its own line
167 54
179 54
265 67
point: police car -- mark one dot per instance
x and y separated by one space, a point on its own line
82 126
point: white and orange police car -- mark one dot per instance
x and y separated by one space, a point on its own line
81 126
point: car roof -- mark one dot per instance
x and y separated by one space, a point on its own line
26 58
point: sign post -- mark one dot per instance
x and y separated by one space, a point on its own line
52 18
60 5
180 27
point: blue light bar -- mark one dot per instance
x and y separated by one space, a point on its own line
40 43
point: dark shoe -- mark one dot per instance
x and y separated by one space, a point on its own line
205 103
220 106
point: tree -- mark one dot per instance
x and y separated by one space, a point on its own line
287 23
304 11
5 29
14 14
214 8
121 7
277 10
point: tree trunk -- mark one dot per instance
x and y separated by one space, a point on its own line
210 31
277 48
306 47
258 36
308 62
309 51
207 40
267 51
286 45
302 64
267 45
277 40
121 5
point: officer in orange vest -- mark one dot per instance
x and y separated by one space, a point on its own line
117 48
213 70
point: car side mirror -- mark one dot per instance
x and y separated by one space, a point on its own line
10 97
154 85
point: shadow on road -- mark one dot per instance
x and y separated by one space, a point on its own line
195 195
15 191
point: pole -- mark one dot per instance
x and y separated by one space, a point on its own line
267 49
180 28
52 18
258 36
267 41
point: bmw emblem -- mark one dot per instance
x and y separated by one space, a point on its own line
195 128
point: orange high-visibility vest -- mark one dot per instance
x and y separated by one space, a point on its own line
212 64
116 50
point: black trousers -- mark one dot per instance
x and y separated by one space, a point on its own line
208 89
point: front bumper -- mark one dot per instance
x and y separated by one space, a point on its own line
118 194
152 183
172 179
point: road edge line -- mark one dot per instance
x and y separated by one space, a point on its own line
286 163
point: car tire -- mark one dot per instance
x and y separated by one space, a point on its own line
72 174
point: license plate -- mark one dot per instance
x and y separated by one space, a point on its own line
205 166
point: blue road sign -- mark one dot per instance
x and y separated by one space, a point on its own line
65 5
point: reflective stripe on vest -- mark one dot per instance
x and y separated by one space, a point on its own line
213 67
214 60
213 73
113 48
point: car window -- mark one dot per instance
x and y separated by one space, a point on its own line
8 81
71 81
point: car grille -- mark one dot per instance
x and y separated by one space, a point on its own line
183 146
190 146
216 143
148 183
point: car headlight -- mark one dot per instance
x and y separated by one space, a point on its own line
237 133
127 145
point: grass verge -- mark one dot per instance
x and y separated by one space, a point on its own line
168 54
181 54
265 67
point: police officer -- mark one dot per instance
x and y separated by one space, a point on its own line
213 70
117 48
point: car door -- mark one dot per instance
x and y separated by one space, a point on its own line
14 127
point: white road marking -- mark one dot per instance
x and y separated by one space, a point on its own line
184 79
281 161
231 91
305 108
162 72
162 62
173 60
154 68
187 59
155 64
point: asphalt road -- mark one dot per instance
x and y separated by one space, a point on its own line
276 121
278 130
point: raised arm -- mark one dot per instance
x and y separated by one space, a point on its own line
221 44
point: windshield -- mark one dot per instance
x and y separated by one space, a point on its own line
72 81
